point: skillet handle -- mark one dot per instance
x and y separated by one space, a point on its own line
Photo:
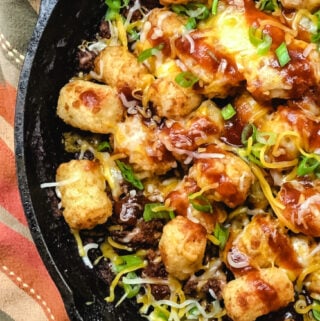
46 7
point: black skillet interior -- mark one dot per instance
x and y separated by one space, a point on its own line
49 63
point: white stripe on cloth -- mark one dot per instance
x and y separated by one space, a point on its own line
6 133
7 219
18 304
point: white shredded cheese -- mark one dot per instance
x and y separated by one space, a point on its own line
61 183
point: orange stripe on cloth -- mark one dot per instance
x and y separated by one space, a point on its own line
20 261
9 196
7 102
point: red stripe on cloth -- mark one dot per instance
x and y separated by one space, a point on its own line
20 260
7 102
9 196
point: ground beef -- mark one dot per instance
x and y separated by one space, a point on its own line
86 60
144 235
156 269
160 292
191 288
104 271
128 210
104 30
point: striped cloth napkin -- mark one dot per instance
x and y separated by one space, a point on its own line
27 292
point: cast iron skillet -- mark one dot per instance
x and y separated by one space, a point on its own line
50 61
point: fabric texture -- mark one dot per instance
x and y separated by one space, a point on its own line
27 293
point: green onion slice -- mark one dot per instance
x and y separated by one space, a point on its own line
228 112
128 174
186 79
193 10
144 55
131 290
283 54
104 146
127 261
222 234
154 211
113 4
307 165
214 8
191 24
260 40
197 10
250 130
178 8
266 138
200 203
316 310
268 5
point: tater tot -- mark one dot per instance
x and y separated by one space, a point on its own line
170 23
90 106
265 244
119 68
301 206
257 293
171 100
143 147
182 246
301 4
84 200
224 174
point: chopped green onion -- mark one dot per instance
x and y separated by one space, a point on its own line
193 10
197 10
186 79
159 314
194 312
178 8
131 290
315 37
200 203
214 8
144 55
127 261
260 40
268 5
250 130
264 47
133 34
191 24
128 174
307 166
113 4
266 138
154 211
103 146
283 54
114 7
111 14
316 310
221 233
228 112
